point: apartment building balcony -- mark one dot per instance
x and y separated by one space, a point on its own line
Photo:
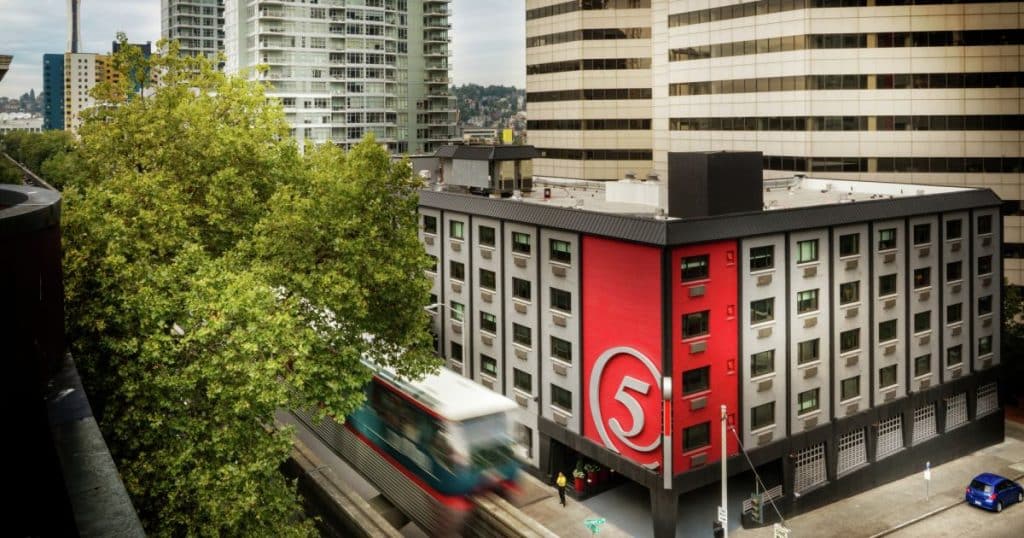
272 13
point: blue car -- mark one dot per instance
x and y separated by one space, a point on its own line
993 492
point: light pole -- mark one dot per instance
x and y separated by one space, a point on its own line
462 331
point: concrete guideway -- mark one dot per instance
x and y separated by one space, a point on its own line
332 479
900 508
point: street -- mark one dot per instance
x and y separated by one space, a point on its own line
964 520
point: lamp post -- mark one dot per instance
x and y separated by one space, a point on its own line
462 332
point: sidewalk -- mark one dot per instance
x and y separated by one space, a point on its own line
887 507
540 501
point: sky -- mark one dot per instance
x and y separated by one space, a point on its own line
488 37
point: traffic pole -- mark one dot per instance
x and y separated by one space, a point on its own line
725 524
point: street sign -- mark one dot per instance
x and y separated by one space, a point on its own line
780 531
722 515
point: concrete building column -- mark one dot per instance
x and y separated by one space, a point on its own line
664 512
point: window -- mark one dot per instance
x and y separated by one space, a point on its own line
561 300
922 234
887 330
488 366
522 380
954 355
849 388
487 236
887 239
922 277
954 313
762 258
954 229
487 280
984 305
762 310
695 324
561 251
521 289
456 230
849 245
488 322
807 351
520 242
849 340
954 271
521 335
984 345
561 349
429 224
922 365
886 285
697 436
849 292
922 322
984 265
696 380
561 398
762 363
807 401
458 309
984 224
456 352
807 251
887 376
762 415
806 301
695 268
457 270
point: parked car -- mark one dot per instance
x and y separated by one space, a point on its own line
993 492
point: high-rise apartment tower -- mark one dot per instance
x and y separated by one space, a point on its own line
910 91
198 25
344 69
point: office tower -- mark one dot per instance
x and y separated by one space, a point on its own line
74 25
913 91
198 25
53 91
344 70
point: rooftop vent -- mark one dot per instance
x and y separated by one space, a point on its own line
630 175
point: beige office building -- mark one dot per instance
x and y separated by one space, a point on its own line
925 92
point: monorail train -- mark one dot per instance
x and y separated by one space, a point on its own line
427 445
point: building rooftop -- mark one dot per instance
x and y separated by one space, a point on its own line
626 197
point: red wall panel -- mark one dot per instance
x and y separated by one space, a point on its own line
720 351
622 341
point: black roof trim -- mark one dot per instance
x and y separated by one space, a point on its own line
697 230
27 209
487 153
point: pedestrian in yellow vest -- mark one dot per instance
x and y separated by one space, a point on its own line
560 482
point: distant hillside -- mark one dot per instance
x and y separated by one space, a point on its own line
487 106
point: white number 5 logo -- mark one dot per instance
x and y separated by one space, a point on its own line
636 413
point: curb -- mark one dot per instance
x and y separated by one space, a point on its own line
922 517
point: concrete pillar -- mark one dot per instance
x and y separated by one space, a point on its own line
664 512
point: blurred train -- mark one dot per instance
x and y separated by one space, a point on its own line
428 445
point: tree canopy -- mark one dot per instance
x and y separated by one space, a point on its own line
214 275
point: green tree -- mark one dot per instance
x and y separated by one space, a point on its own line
214 275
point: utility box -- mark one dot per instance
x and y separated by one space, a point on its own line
703 184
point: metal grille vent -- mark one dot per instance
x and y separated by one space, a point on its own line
853 451
924 423
988 399
956 411
890 437
810 468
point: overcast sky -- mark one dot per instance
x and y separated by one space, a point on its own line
488 37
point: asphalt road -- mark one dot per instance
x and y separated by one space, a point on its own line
966 520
